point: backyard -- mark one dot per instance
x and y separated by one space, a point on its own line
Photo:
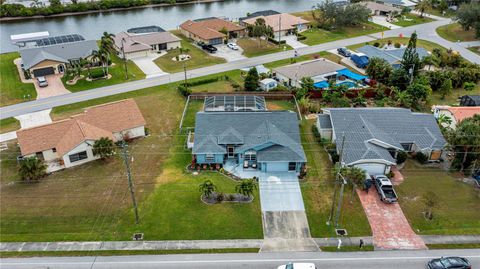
411 19
316 36
452 99
254 47
453 214
454 32
12 89
199 58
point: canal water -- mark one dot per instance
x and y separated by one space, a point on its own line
91 26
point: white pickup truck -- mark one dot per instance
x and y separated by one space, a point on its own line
385 189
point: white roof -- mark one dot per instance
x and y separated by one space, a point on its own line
28 36
260 69
267 80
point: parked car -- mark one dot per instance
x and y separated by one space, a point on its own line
385 189
359 59
297 265
233 46
42 81
209 48
344 52
449 263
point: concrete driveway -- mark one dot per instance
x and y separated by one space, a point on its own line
228 54
293 42
34 119
148 67
382 20
55 87
280 192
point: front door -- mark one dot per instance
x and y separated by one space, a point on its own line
230 150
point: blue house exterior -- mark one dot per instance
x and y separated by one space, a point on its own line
268 141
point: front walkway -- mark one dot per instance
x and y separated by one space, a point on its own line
390 228
148 67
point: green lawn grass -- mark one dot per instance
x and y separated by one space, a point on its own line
317 193
117 70
454 32
453 246
9 124
252 47
475 49
302 58
200 58
449 13
402 40
412 19
452 99
317 36
347 249
458 207
12 90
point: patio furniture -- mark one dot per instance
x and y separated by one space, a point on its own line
245 164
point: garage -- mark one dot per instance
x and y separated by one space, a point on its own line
373 168
276 167
43 71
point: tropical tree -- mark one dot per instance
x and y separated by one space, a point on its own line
468 16
411 61
464 140
251 80
379 69
107 46
101 56
32 168
446 88
260 29
103 147
307 85
246 187
444 120
422 6
207 188
419 91
304 104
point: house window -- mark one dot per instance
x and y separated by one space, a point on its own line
54 149
210 158
250 156
292 166
407 146
78 156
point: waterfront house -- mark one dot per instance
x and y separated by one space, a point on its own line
144 44
211 31
282 24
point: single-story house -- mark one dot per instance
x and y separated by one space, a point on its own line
267 84
282 24
470 100
381 9
258 14
392 56
320 70
267 141
455 113
261 69
42 60
69 142
400 3
141 45
372 137
209 30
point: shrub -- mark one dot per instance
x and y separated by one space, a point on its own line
301 37
390 174
183 90
401 157
469 86
203 81
97 73
376 44
220 197
235 85
397 45
335 157
421 158
316 133
274 41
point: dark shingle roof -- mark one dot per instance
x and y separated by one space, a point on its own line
249 129
365 128
259 13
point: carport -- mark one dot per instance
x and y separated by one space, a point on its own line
43 71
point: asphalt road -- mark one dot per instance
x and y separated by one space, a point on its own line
424 31
323 260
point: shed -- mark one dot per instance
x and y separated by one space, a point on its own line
268 84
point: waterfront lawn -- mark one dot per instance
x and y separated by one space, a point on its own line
318 188
12 88
252 47
411 19
200 58
117 70
453 214
91 202
454 32
317 36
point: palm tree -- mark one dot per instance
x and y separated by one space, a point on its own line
444 120
103 147
99 55
207 188
422 6
107 46
304 104
32 168
246 187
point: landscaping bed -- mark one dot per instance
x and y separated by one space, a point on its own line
217 198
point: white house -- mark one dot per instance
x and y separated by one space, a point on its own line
142 45
267 84
69 142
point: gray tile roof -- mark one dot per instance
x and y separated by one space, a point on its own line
367 128
60 52
392 56
250 129
324 121
308 69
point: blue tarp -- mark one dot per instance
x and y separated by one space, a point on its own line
349 74
321 84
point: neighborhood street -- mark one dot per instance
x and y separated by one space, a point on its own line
425 31
323 260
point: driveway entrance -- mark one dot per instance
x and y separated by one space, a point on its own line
55 87
148 67
293 42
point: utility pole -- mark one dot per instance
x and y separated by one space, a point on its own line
279 29
124 59
337 180
340 200
129 176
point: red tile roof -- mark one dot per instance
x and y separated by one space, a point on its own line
210 28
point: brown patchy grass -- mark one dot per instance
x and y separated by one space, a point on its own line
454 32
252 47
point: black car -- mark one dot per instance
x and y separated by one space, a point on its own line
209 48
449 263
344 52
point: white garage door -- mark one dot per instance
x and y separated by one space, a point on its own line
373 168
277 167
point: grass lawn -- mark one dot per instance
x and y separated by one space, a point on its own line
9 124
454 32
200 58
91 202
318 36
118 76
452 99
448 13
402 40
475 49
12 89
458 204
347 249
412 19
317 193
306 15
302 58
253 47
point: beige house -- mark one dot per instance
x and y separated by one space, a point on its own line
210 30
69 142
319 70
381 9
142 45
282 24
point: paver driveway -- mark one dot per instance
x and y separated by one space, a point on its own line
390 228
55 87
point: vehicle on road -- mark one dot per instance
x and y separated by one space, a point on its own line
209 48
232 46
385 189
344 52
449 263
42 81
297 265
